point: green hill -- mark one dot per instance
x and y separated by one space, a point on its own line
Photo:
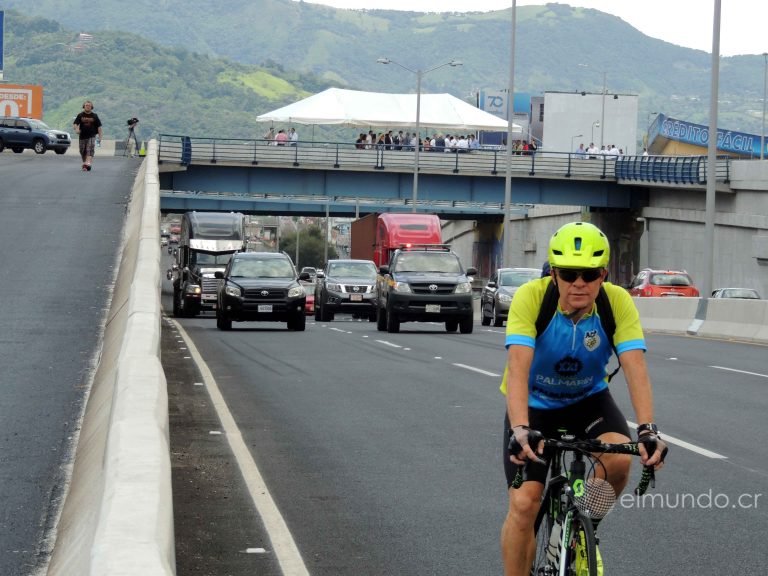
313 46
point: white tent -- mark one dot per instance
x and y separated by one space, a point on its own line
368 109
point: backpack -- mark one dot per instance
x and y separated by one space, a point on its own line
605 312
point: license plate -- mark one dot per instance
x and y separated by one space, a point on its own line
356 297
265 307
435 308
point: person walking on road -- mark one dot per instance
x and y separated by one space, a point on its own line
88 126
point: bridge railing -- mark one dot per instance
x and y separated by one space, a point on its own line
671 169
186 150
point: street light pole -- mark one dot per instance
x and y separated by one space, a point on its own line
417 149
419 74
595 124
572 138
765 92
506 254
602 110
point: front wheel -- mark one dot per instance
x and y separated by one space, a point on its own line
484 320
582 549
498 321
222 323
381 319
393 322
38 146
466 325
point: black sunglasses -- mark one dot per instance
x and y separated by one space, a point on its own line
588 274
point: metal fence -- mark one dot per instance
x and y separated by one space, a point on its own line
675 170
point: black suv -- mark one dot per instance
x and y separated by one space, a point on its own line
346 286
425 284
263 287
19 134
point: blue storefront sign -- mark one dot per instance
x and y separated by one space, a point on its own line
698 135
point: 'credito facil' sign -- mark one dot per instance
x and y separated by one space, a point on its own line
21 100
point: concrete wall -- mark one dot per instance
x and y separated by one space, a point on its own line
117 518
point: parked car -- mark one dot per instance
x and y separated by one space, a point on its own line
497 293
346 285
744 293
259 287
20 134
663 283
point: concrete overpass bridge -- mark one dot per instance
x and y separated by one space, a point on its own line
315 178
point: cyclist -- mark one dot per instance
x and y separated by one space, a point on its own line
559 380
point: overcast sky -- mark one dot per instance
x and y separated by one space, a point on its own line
683 22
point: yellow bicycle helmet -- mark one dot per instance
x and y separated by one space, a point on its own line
579 245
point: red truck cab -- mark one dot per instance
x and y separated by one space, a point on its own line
376 236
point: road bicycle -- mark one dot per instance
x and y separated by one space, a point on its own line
573 497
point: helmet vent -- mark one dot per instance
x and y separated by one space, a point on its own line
577 243
598 252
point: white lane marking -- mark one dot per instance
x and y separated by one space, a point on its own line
339 330
388 344
478 370
255 551
286 551
687 445
740 371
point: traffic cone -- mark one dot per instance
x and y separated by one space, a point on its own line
143 149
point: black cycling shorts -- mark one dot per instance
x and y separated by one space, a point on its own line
586 419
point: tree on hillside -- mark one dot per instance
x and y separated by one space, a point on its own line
311 247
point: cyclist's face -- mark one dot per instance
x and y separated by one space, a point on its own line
578 294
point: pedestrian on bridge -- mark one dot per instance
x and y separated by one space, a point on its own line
88 126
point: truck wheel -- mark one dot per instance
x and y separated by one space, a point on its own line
393 322
176 305
38 146
466 325
381 319
451 325
223 323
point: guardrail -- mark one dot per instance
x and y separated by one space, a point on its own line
186 150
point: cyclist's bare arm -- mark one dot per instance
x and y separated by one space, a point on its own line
519 360
640 393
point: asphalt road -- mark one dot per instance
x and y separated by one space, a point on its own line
60 232
382 452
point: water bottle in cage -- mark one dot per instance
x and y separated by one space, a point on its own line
553 547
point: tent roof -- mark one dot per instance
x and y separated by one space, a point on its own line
356 108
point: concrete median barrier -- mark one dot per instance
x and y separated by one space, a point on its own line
737 319
667 314
117 518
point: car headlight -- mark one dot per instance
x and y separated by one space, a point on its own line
333 287
504 298
296 292
402 287
232 291
193 289
463 288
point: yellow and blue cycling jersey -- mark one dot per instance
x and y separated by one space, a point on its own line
570 360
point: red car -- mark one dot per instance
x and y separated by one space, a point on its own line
663 283
309 307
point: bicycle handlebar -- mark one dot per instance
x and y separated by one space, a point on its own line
594 446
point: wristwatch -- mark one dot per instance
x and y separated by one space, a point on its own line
648 427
